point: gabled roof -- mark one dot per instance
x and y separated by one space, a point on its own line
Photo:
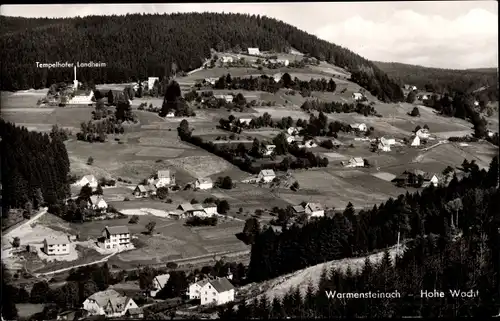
267 172
57 240
221 285
209 205
358 160
117 229
186 207
298 208
197 207
118 304
355 125
205 180
95 199
201 283
102 297
162 279
428 176
142 188
314 207
164 173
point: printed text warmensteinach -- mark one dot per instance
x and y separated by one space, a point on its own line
365 295
66 64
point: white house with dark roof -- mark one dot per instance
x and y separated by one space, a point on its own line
194 289
164 178
192 209
423 133
87 179
357 96
159 282
361 127
430 179
245 121
314 210
56 246
204 183
219 291
116 237
415 141
267 175
97 202
109 303
210 209
292 130
144 190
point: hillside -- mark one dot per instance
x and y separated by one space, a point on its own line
444 80
148 45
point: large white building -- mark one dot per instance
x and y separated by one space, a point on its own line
87 179
415 141
163 178
267 175
116 237
108 303
314 210
253 51
423 133
219 291
56 246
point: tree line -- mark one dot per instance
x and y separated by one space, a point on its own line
430 211
32 162
156 49
336 107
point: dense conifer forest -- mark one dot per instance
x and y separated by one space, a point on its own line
452 242
35 167
149 45
484 82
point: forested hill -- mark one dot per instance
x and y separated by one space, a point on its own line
444 80
147 45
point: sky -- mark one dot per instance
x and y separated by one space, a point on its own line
440 34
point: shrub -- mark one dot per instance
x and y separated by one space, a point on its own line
16 242
90 160
126 199
134 219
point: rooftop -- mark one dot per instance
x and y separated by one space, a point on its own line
298 208
205 180
221 285
164 173
117 229
102 297
268 172
162 279
314 207
57 240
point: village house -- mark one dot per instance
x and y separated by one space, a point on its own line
245 121
204 183
97 202
227 98
226 59
284 62
210 209
144 190
254 51
383 146
293 130
415 141
298 209
87 179
423 133
82 98
268 150
354 162
116 237
359 127
266 175
357 96
135 313
192 209
314 210
194 289
170 114
430 179
109 303
56 246
159 282
422 97
162 178
219 291
151 82
176 214
388 141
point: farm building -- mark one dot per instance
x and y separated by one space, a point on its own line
430 179
56 246
266 175
170 114
268 150
210 208
314 210
87 179
384 147
82 98
151 82
204 183
144 190
176 214
97 202
159 282
357 96
219 291
388 141
415 141
109 303
116 237
162 178
226 59
210 80
245 121
360 127
298 209
227 98
253 51
192 209
293 130
354 162
423 133
135 313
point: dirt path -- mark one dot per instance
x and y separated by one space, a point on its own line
104 259
31 220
